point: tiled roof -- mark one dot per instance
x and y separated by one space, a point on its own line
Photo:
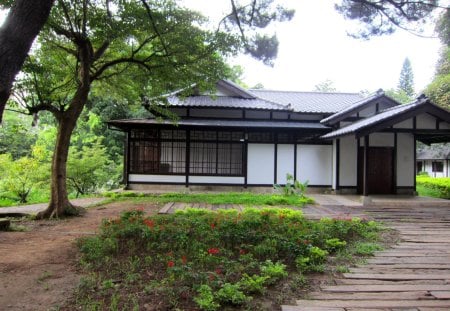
223 123
384 115
434 152
357 106
310 102
225 102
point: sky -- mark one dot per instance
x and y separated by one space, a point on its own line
314 47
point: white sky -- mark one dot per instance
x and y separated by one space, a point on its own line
314 47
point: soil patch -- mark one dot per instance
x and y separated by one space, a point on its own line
38 267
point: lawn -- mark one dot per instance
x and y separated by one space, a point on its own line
243 198
210 260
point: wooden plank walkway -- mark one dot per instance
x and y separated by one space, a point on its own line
413 275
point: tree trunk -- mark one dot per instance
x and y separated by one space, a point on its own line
59 205
18 32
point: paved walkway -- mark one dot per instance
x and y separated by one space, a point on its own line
413 275
33 209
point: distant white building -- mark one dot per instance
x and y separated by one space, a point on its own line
252 138
434 160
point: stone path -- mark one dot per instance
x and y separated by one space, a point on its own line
36 208
413 275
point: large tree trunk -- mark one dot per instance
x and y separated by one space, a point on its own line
18 32
60 205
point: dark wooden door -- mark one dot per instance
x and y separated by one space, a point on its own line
380 170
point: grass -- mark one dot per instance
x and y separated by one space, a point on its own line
243 198
425 191
209 260
433 186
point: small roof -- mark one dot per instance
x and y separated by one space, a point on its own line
310 102
225 102
434 152
389 117
126 123
378 96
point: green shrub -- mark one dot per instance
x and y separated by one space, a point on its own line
441 185
205 298
232 294
210 257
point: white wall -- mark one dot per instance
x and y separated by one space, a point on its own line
427 166
425 121
260 164
405 160
334 164
285 162
156 178
348 158
315 164
381 140
216 180
407 124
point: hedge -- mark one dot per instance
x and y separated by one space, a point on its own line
440 184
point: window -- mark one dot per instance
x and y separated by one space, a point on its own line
164 152
158 152
216 153
437 166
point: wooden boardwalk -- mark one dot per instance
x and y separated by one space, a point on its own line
413 275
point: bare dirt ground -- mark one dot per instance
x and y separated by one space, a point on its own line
38 268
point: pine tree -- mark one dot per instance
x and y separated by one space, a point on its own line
406 81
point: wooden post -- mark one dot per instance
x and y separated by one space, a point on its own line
366 166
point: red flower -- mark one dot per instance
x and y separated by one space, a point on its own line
218 271
149 223
184 259
170 263
242 251
213 251
213 225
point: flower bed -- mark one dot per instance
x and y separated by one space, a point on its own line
198 259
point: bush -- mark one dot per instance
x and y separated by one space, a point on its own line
207 257
442 185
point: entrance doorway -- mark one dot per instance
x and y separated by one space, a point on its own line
380 173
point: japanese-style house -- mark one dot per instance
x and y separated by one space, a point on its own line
252 138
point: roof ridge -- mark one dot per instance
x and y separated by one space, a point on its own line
310 92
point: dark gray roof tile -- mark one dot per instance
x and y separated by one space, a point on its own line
310 102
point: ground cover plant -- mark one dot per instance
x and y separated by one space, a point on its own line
243 198
435 187
206 260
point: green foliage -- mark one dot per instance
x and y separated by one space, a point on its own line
292 187
90 168
366 248
334 244
399 95
439 186
210 258
406 80
205 299
253 284
273 271
244 198
231 294
326 86
383 17
21 176
16 136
